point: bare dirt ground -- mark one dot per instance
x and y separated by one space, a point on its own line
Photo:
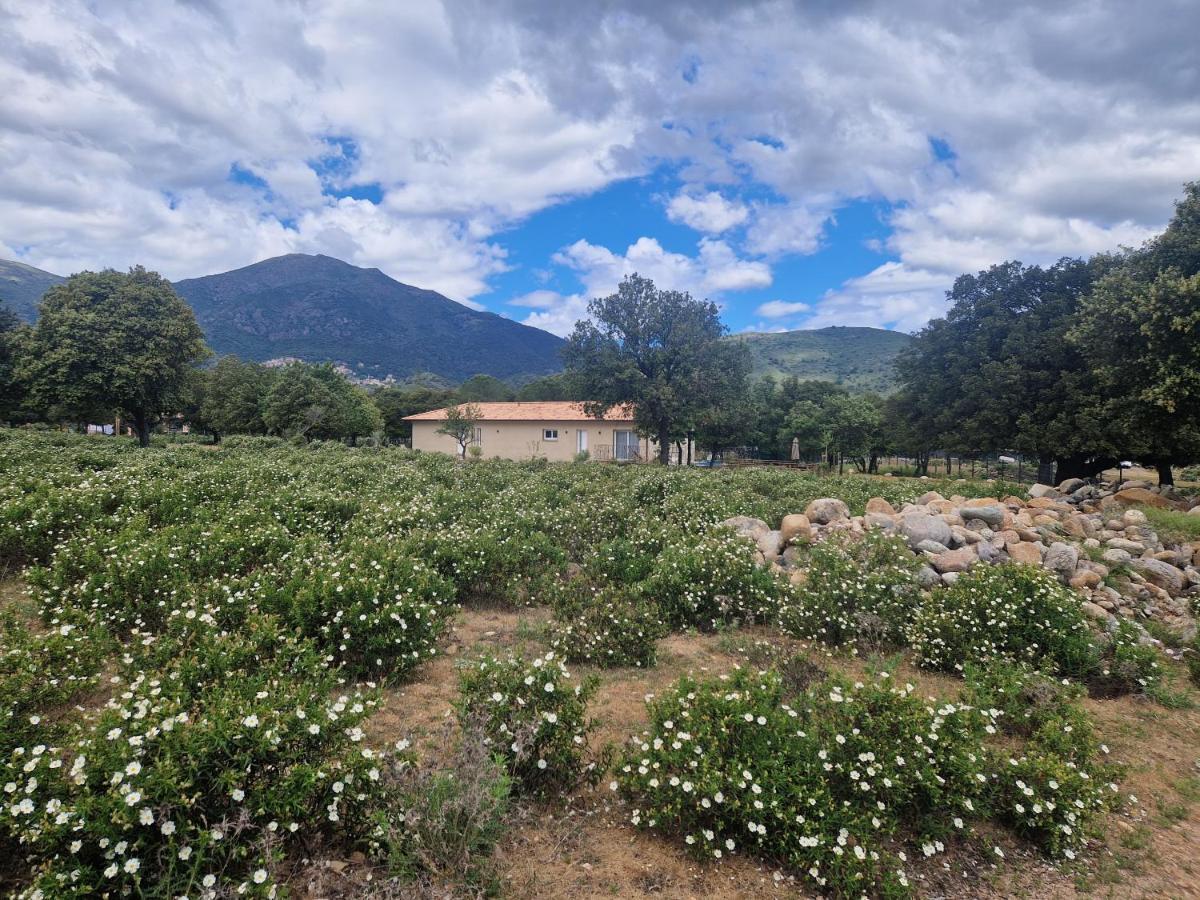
584 847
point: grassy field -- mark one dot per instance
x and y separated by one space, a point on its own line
326 672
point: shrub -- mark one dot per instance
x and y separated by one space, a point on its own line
861 591
608 628
533 715
1003 612
819 786
184 784
1126 665
706 580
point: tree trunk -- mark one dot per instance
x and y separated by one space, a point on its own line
1165 477
141 427
664 444
216 436
873 465
1045 473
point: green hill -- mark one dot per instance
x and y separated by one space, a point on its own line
22 286
859 358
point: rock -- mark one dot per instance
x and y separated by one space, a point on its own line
928 546
993 515
1071 485
948 578
1092 611
1194 511
955 560
1043 490
929 497
1027 552
1133 517
1134 484
747 526
881 506
879 520
1165 575
1061 559
795 528
799 577
988 552
1085 580
1137 496
770 544
826 510
928 578
573 571
919 526
791 557
965 535
1125 544
1075 528
1116 556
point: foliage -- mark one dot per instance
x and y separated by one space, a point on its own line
859 359
107 341
1126 665
234 397
460 423
609 627
318 402
533 715
1003 612
658 351
861 591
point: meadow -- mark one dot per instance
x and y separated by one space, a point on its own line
267 670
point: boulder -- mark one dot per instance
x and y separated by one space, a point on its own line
929 497
795 528
1133 517
1137 496
1134 484
1194 511
1116 556
928 578
948 578
826 510
1027 552
1085 580
770 545
988 552
879 520
921 526
1071 485
993 514
955 560
1092 611
1157 572
880 506
1044 490
1125 544
928 546
1061 559
747 526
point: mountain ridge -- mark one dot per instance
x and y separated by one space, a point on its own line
857 357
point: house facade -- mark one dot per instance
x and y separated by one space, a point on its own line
554 430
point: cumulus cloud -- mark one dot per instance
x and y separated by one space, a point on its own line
708 212
779 309
197 137
556 313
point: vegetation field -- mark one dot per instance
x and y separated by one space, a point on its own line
264 670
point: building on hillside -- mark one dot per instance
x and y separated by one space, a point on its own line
555 430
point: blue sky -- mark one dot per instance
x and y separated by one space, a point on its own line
803 165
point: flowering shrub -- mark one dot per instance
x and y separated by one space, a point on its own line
194 778
1126 665
706 580
608 628
1003 612
823 785
861 591
533 714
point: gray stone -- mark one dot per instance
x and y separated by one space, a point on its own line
955 560
993 515
927 578
1116 556
1163 574
879 520
989 552
1044 490
1125 544
1071 485
928 546
921 526
1092 611
826 510
747 527
1062 559
949 578
770 544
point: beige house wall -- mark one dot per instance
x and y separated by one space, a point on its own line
526 440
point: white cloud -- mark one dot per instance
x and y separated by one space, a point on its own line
779 309
556 313
713 270
710 212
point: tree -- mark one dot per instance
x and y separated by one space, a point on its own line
318 402
552 387
12 338
232 396
1139 326
460 424
658 351
112 342
396 402
485 388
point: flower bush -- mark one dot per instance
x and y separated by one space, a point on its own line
862 591
1126 665
1003 612
533 714
610 627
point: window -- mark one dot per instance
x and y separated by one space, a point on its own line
625 445
478 439
549 434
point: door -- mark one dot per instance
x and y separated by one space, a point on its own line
625 445
580 440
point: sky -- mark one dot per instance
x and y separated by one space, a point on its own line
801 164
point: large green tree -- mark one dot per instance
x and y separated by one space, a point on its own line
659 351
112 342
395 402
318 402
232 395
12 335
1140 327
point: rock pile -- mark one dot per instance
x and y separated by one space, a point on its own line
1091 536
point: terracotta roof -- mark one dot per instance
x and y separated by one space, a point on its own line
542 411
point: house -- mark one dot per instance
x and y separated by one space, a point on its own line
555 430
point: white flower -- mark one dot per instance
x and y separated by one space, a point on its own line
238 795
146 817
111 871
209 880
260 875
132 865
251 721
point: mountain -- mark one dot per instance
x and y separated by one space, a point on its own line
318 308
859 358
21 287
